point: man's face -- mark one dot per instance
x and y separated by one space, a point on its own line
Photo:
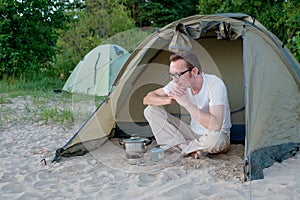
179 71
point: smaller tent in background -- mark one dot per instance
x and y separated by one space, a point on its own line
95 74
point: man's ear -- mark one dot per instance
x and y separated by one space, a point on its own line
195 70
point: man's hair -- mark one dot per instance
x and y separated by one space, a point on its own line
189 57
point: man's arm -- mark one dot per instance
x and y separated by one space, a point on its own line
157 98
212 120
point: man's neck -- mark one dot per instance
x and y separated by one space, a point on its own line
197 84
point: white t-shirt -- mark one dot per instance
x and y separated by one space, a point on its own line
212 93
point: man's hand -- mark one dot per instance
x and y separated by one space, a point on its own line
180 95
169 100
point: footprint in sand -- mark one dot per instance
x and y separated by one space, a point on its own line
144 180
13 188
37 176
31 196
40 185
92 162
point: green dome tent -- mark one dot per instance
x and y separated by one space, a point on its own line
95 74
262 78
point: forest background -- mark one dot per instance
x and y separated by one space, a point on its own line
45 39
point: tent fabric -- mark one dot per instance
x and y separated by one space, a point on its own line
96 73
266 156
261 75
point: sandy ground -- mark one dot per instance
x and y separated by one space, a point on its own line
105 173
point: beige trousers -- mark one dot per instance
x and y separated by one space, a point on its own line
170 131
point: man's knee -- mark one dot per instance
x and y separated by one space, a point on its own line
151 111
148 111
222 145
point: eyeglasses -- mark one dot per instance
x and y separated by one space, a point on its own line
178 75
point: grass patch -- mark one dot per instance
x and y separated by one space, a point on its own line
37 102
40 90
1 100
33 85
56 115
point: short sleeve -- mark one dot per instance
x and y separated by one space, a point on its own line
217 93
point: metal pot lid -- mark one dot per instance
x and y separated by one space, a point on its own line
134 139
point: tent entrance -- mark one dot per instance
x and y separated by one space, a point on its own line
219 57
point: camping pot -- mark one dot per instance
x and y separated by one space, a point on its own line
135 144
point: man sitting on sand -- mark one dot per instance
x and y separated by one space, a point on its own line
204 96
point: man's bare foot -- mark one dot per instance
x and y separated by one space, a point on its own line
195 154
